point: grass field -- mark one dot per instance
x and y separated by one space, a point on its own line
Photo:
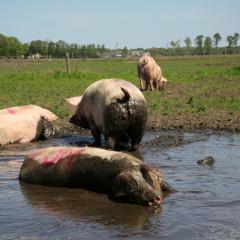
202 90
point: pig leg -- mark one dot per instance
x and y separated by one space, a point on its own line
147 86
97 135
141 84
110 143
161 86
151 85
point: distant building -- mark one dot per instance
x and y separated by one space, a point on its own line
135 53
35 56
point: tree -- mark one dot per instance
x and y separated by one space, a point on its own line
235 39
36 47
51 49
199 44
61 49
125 51
14 47
84 51
216 39
102 49
230 40
91 51
188 43
175 47
173 44
3 45
207 45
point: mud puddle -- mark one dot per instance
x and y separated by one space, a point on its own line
206 206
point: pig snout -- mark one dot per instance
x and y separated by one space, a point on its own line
145 61
156 202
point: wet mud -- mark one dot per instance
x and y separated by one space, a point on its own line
205 206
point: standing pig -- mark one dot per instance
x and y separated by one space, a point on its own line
123 177
115 108
148 72
161 83
23 124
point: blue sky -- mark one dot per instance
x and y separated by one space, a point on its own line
131 23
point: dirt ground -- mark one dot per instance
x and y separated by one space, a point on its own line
210 119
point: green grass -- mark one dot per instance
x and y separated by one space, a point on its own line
197 84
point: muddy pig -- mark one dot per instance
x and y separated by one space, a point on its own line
121 176
23 124
115 108
148 72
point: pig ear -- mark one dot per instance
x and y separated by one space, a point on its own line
124 184
166 188
149 168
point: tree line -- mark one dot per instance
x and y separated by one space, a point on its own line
11 47
203 46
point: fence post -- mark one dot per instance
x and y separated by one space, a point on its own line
67 63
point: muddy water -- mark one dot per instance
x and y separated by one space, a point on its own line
206 206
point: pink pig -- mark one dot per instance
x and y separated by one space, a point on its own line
23 124
148 72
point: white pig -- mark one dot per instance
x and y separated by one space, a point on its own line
115 108
23 124
148 72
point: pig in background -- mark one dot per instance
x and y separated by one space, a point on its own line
121 176
23 124
73 102
150 74
115 108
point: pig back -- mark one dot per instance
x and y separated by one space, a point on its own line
101 94
93 168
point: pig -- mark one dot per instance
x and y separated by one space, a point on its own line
23 124
160 84
148 72
114 108
72 103
123 177
74 100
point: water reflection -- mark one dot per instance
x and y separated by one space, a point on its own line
82 205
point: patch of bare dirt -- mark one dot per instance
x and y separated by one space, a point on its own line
210 119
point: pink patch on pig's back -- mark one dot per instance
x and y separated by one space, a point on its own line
61 154
25 107
11 111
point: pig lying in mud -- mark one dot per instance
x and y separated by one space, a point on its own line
23 124
115 108
149 72
123 177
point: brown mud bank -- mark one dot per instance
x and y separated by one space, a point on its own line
211 119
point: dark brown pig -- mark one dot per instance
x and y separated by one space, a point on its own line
148 72
115 108
23 124
123 177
